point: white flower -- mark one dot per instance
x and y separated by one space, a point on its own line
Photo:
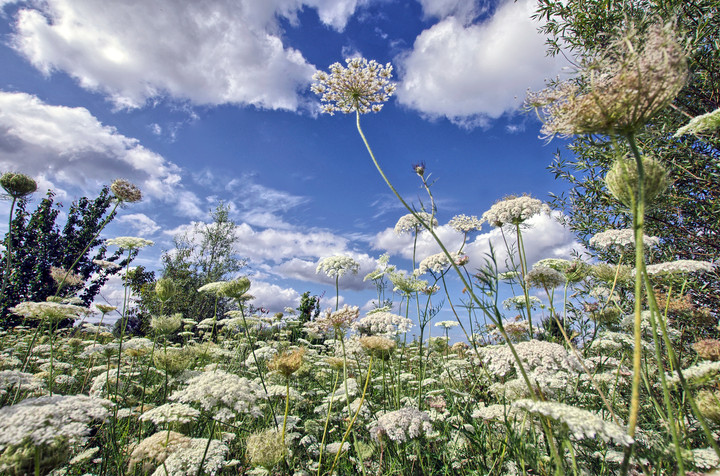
517 303
402 425
681 266
619 240
48 310
514 211
410 224
19 381
465 224
447 324
337 266
129 242
363 86
186 462
439 262
170 413
382 323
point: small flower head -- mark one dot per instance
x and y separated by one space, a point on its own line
164 289
287 363
166 324
465 224
235 289
129 242
337 266
378 346
708 349
410 224
17 185
622 179
514 211
126 191
419 168
544 277
266 448
626 85
64 278
363 86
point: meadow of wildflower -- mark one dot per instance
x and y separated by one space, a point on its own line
617 372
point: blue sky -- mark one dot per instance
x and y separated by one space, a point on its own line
197 102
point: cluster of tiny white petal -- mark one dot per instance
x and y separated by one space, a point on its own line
363 86
170 413
518 302
19 381
581 423
410 224
337 266
402 425
43 419
48 310
514 211
187 462
407 283
439 262
682 266
220 389
465 224
700 373
382 323
447 324
337 320
540 356
544 277
129 242
619 240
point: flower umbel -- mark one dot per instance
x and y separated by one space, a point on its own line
363 86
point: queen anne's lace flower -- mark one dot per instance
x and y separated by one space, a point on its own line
465 224
155 449
19 381
337 266
538 356
699 124
402 425
187 462
170 413
620 240
410 224
514 211
681 266
49 310
439 262
129 242
447 324
382 323
217 389
363 86
581 423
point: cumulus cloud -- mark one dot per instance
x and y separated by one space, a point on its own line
470 73
544 237
273 297
463 9
210 52
142 224
67 146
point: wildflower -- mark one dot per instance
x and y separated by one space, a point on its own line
382 269
378 346
544 277
19 381
682 266
129 242
173 360
363 86
582 424
164 289
48 310
170 413
104 308
407 284
382 323
64 277
518 303
337 266
447 325
236 289
17 185
699 124
621 240
419 168
708 401
154 450
465 224
212 288
411 224
514 211
188 461
166 324
625 87
106 264
439 262
126 191
622 179
402 425
287 363
698 374
266 448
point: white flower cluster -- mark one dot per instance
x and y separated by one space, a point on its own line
337 266
517 303
19 381
186 462
581 423
48 310
465 224
402 425
129 242
363 86
407 283
495 412
447 324
681 266
544 277
538 356
220 389
410 224
170 413
514 211
439 262
619 240
41 420
382 323
698 374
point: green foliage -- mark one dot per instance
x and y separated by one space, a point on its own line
38 243
685 217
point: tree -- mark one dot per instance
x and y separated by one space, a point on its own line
202 255
38 244
685 217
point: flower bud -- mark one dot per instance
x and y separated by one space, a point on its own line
17 185
622 179
125 191
165 289
235 288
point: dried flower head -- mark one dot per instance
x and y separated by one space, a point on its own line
624 86
154 450
126 191
339 320
363 86
378 346
622 179
708 402
17 185
708 349
288 362
266 448
64 278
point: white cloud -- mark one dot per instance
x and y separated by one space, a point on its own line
210 52
462 9
273 297
473 73
142 224
68 146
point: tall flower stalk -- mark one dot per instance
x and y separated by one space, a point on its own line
18 187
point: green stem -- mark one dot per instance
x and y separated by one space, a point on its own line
8 249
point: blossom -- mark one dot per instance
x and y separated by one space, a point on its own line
410 224
620 240
538 356
334 266
334 320
378 346
402 425
156 448
288 362
514 211
48 310
682 266
265 448
518 303
439 262
581 423
212 288
170 413
624 87
126 191
63 277
382 269
407 283
382 323
18 185
166 324
465 224
447 324
544 277
129 242
363 86
20 381
187 462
